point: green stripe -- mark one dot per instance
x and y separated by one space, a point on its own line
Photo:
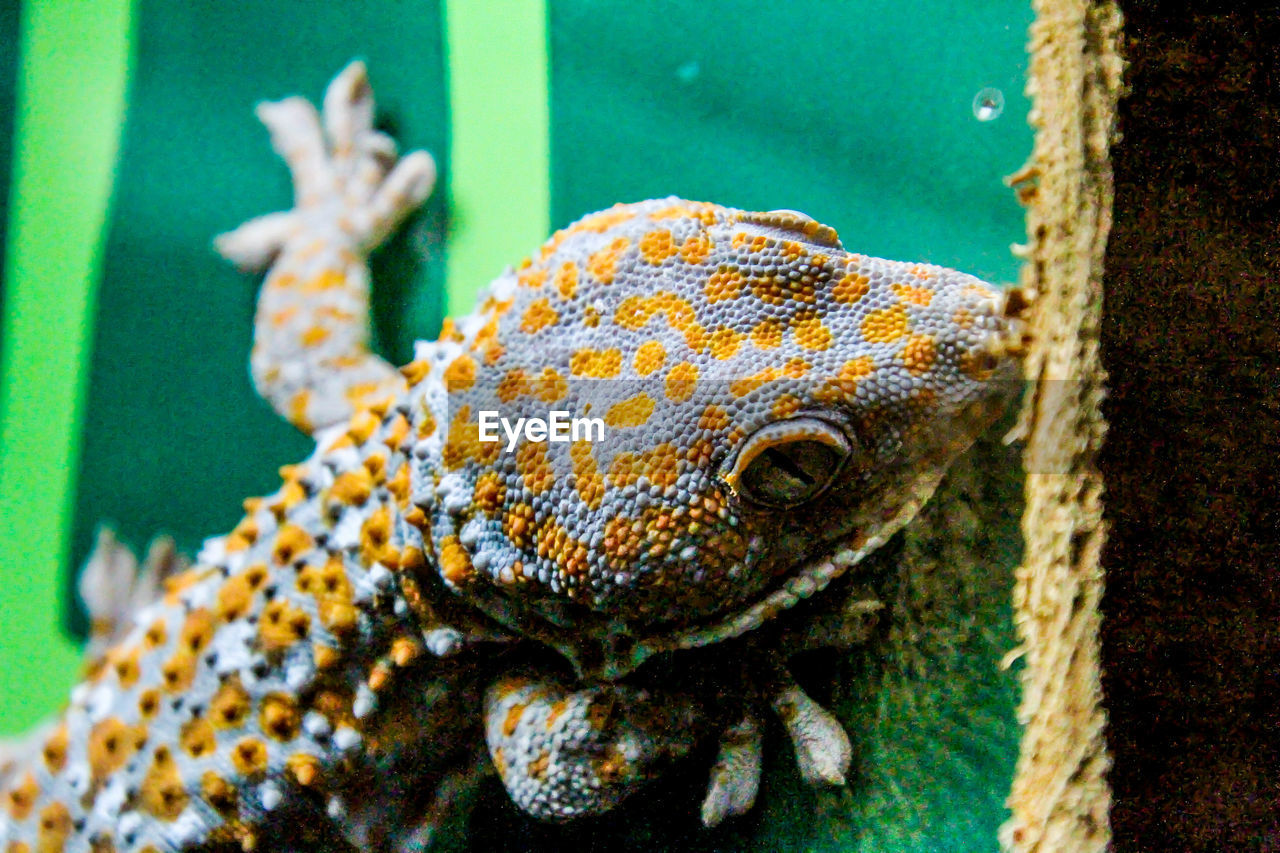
499 161
73 66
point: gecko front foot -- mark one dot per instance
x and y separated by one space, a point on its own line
345 175
564 754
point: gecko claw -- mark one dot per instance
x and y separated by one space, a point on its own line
735 776
822 746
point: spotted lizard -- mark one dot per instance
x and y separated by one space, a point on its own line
772 407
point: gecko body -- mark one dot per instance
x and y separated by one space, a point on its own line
773 408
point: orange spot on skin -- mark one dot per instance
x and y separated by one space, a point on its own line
333 594
179 671
299 403
279 717
512 719
517 524
455 562
786 405
811 333
229 707
696 249
219 793
634 313
649 358
148 703
681 382
197 738
305 769
464 444
352 488
598 364
780 290
291 542
315 335
489 493
244 534
375 534
846 381
724 284
236 594
532 278
587 478
538 316
747 384
724 343
54 751
919 354
632 412
656 246
885 326
911 293
249 757
282 624
21 799
197 631
850 288
549 386
54 828
791 251
279 318
415 371
111 743
328 279
534 469
767 334
566 280
461 373
127 669
604 263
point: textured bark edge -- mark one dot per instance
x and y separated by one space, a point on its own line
1060 799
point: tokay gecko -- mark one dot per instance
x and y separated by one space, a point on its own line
424 596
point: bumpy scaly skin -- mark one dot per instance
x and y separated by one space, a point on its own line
316 678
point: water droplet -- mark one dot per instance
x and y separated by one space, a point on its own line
988 104
689 72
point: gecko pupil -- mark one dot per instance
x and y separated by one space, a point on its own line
792 473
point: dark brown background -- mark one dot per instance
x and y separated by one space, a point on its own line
1191 650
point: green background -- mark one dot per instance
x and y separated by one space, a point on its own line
124 392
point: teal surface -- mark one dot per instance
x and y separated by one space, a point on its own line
858 113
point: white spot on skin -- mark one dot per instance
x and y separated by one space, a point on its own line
443 642
233 647
110 800
316 724
188 828
346 738
270 796
99 701
363 705
129 824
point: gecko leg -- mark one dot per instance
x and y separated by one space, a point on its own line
311 359
563 754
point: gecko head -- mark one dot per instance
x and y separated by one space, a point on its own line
761 409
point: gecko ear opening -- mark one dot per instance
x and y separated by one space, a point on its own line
789 463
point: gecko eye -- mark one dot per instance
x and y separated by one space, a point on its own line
790 462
